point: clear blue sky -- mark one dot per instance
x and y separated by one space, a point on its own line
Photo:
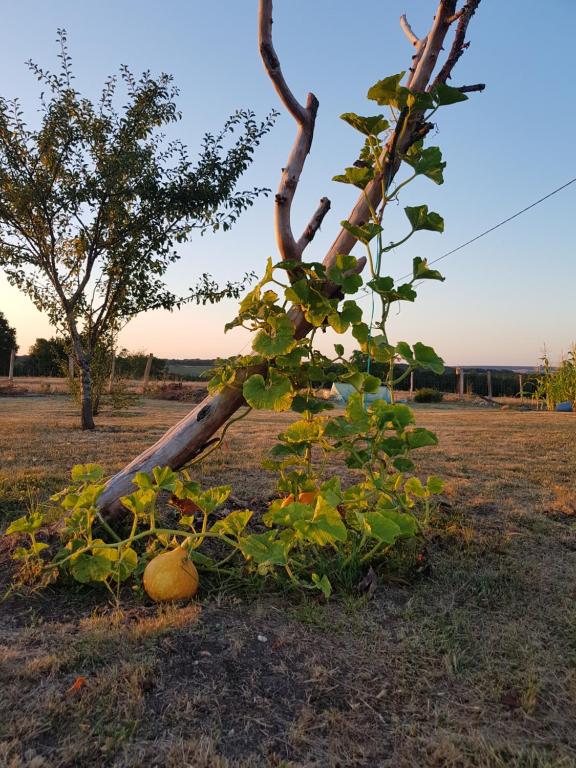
504 296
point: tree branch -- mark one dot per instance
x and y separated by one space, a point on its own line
458 45
407 29
305 118
314 223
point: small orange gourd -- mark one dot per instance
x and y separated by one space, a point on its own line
171 576
306 497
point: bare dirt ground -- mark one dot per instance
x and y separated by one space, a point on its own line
470 664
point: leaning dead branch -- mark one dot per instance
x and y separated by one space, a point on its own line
191 436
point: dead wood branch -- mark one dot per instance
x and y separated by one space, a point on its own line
305 118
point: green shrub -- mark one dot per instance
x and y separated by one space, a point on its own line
428 395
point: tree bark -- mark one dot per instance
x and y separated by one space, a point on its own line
86 405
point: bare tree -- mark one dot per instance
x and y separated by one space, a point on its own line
195 433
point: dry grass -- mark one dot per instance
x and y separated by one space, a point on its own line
472 666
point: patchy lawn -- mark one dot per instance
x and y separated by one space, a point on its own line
470 665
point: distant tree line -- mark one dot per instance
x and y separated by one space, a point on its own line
49 357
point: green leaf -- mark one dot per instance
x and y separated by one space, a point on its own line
26 524
427 162
278 339
358 177
406 522
421 270
275 394
325 527
420 437
302 432
381 285
351 312
414 486
365 233
382 528
339 349
164 478
426 358
88 567
212 498
389 92
265 548
363 382
444 95
420 218
323 584
140 502
288 514
369 126
309 404
356 413
419 101
435 485
233 524
143 480
361 333
402 464
87 473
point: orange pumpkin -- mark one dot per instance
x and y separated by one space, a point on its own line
171 576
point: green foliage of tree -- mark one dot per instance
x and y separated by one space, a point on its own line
95 200
7 343
48 357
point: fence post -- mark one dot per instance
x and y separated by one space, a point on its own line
489 384
71 366
520 381
460 383
147 372
11 370
411 382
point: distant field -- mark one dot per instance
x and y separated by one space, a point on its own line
187 370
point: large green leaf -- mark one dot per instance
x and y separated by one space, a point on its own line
427 162
369 126
382 528
325 526
265 548
389 92
87 473
288 514
164 478
365 233
26 524
422 271
87 567
426 358
444 94
358 177
233 524
302 431
278 339
273 395
420 218
420 437
211 498
309 404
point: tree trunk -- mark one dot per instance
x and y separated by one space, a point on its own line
86 405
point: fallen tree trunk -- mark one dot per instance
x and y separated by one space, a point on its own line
195 432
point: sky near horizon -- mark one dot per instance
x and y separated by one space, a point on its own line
505 296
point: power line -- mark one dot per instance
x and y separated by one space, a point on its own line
496 226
